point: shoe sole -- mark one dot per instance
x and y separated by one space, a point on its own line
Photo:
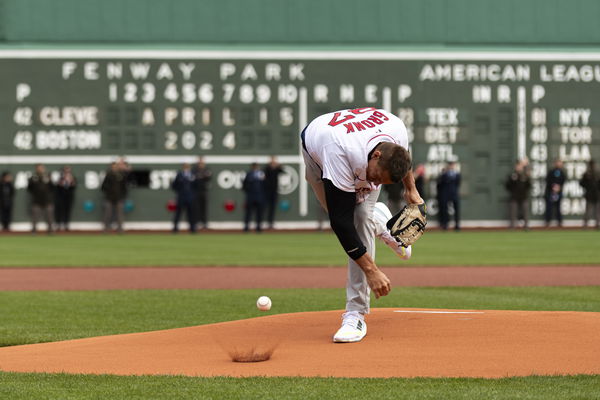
348 341
353 340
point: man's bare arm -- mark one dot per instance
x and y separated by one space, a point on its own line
411 194
377 280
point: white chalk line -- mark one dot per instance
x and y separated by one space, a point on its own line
440 312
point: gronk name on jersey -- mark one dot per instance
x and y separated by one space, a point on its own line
376 118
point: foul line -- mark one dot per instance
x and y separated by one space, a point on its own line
440 312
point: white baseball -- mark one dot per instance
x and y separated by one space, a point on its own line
263 303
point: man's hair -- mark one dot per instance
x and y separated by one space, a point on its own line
395 159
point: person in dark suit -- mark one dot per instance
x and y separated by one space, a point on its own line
64 198
254 188
555 179
41 189
438 197
420 179
7 194
185 187
272 171
448 186
114 188
203 176
518 185
590 182
395 193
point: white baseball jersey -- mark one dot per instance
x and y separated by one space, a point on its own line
340 143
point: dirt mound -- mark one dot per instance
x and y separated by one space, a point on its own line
400 343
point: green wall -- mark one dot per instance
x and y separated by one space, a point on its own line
447 22
486 146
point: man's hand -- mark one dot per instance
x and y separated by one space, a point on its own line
378 282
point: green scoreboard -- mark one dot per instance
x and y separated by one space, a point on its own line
160 108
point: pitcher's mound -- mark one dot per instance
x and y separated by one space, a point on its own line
399 343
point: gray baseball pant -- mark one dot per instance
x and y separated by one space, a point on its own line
357 289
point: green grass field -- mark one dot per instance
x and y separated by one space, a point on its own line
41 316
76 387
295 249
31 317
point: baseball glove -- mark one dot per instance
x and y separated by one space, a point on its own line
409 224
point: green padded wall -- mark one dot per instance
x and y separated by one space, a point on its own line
447 22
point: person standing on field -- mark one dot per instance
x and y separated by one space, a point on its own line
449 194
7 195
590 182
65 197
395 192
518 185
114 188
555 180
420 179
41 189
254 188
185 187
349 154
203 176
272 171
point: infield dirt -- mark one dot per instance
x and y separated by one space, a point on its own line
400 343
286 277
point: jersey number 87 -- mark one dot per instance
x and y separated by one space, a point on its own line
336 120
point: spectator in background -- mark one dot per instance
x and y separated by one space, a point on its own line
555 180
590 181
41 190
395 192
272 171
64 198
203 175
114 188
448 186
419 174
322 217
254 188
7 194
321 214
185 187
438 195
124 168
518 185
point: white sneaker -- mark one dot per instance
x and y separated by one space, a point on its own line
353 329
381 216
